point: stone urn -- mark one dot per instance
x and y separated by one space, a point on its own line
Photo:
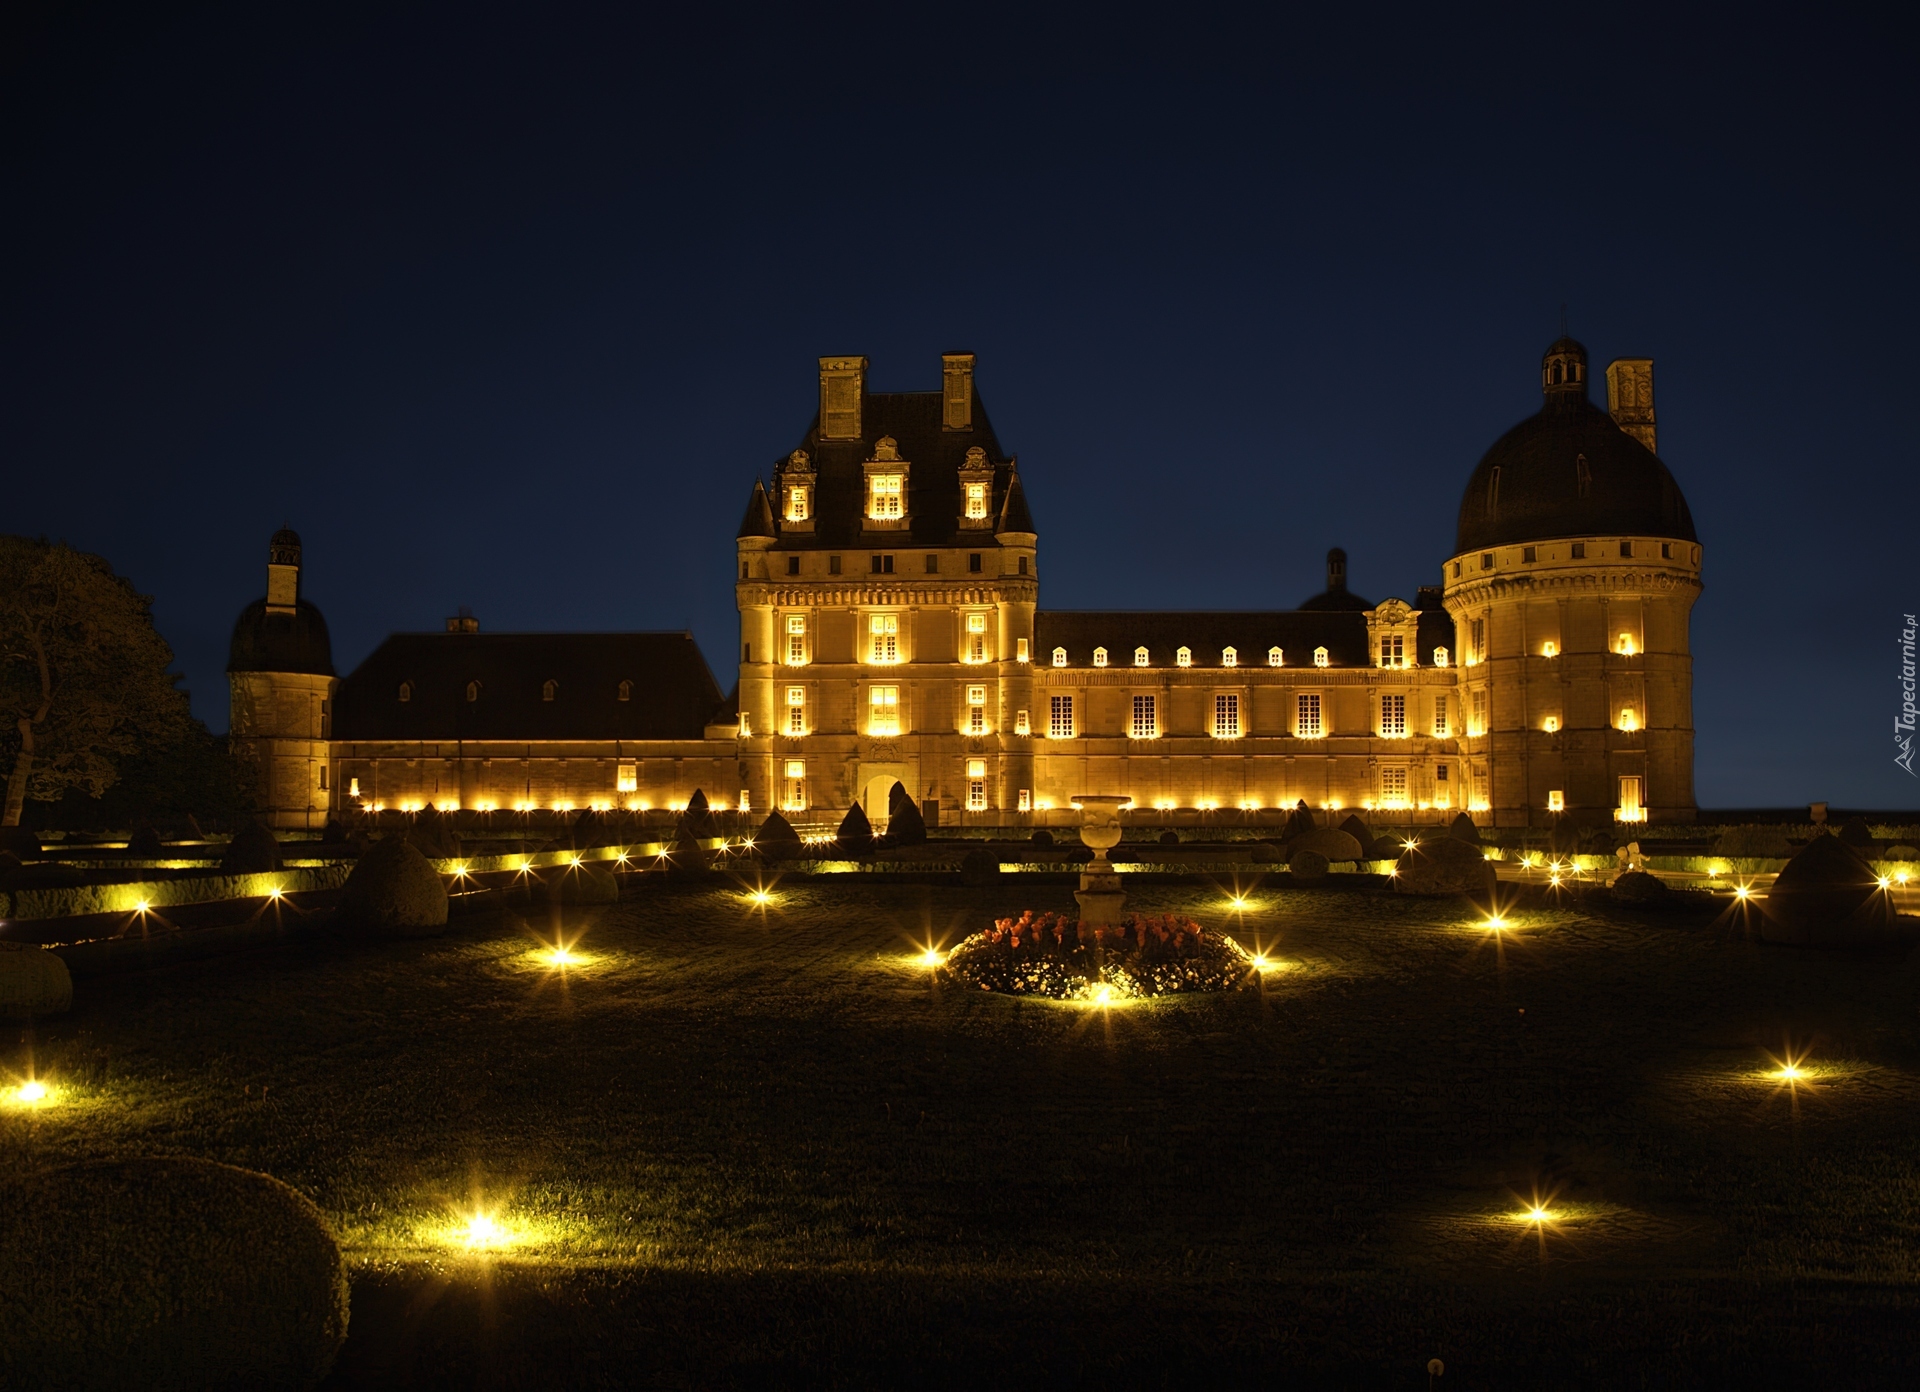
1099 894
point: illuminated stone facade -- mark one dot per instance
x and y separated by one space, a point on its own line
888 586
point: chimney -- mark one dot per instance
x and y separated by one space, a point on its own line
956 384
463 622
1336 571
843 385
1630 397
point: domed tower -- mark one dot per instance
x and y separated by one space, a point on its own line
280 679
1574 572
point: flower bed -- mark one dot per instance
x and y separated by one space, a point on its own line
1057 956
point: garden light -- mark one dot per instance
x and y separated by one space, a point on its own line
933 957
1885 881
142 906
1238 901
1741 892
1536 1214
761 897
1103 995
31 1093
1495 924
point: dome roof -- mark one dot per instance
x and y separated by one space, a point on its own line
1569 471
282 642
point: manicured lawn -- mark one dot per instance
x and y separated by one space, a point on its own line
762 1146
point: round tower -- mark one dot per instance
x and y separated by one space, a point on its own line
1574 571
280 694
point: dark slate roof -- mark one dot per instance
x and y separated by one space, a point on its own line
1628 491
673 694
934 455
1337 600
758 521
295 642
1015 516
1343 633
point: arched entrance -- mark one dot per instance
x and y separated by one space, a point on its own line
874 797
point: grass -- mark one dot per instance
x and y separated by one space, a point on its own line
760 1145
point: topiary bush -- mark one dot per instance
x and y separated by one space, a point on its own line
905 825
1057 956
393 892
171 1272
1307 864
33 981
979 869
776 839
253 851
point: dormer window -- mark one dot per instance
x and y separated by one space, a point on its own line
887 501
549 689
1059 657
1393 652
1276 658
1183 657
976 501
406 691
1229 657
797 503
1440 657
1140 658
625 691
1319 657
473 691
1099 657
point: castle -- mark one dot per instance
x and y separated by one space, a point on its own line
891 630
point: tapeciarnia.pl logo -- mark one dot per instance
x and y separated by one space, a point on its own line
1903 722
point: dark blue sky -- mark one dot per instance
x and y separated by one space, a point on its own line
507 307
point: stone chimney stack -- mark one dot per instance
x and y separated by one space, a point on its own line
283 572
843 389
1630 397
463 622
1336 571
956 381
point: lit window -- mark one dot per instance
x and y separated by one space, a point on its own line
1021 726
883 710
627 778
796 710
1393 787
1059 657
1020 650
1226 716
1549 649
1631 808
976 500
1183 657
746 725
797 503
1441 729
1626 645
887 502
1393 716
796 640
1440 657
1099 657
796 790
353 787
1026 800
976 785
1146 721
549 690
1629 720
1060 718
976 710
1229 657
1478 726
1319 657
1556 801
1479 632
1275 658
1306 724
406 691
1140 658
1393 651
976 638
884 629
1550 724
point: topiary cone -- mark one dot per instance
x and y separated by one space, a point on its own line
1827 895
167 1272
776 839
855 836
393 892
905 825
253 851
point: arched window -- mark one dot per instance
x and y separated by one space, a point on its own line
1059 657
1099 657
549 690
1183 657
406 691
1275 658
626 691
1140 658
1229 657
473 691
1319 657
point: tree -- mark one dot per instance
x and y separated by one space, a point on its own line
83 673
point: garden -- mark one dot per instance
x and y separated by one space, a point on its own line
757 1129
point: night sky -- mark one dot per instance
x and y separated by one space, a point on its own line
508 307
